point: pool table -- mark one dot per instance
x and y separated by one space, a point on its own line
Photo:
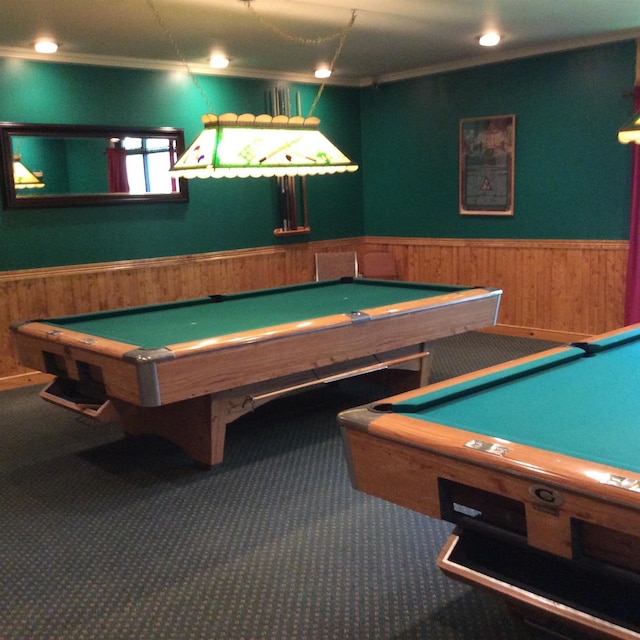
537 463
184 370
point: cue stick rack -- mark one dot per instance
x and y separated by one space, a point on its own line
287 193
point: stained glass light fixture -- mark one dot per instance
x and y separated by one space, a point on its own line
630 132
242 146
23 178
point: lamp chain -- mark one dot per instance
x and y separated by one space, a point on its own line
300 40
179 53
342 34
343 37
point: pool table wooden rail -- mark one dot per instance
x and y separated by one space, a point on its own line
408 468
574 512
188 392
213 365
404 460
602 528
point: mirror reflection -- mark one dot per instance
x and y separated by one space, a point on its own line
53 165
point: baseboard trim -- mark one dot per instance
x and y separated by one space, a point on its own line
538 334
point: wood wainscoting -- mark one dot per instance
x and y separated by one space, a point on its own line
58 291
551 287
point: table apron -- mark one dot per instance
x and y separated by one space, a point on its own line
244 364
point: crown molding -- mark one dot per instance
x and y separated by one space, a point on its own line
280 76
166 65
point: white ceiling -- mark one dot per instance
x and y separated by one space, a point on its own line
389 40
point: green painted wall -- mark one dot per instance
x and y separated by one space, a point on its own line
221 214
572 177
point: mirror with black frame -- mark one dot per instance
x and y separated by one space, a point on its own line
50 165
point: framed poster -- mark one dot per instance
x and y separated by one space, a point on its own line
487 148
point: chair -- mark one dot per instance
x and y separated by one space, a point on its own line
379 264
330 266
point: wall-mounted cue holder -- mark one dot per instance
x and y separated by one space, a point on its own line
288 204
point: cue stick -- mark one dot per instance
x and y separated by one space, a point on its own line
303 179
283 195
293 213
291 181
286 184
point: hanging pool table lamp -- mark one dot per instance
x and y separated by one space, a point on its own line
242 146
630 132
23 178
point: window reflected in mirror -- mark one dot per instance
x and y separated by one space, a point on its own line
146 165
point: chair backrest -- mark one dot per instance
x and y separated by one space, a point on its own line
379 264
330 266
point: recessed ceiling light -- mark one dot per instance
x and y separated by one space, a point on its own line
490 39
45 46
323 72
218 61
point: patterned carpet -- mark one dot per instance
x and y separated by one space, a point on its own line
125 539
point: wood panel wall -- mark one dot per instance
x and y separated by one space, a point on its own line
573 287
550 287
50 292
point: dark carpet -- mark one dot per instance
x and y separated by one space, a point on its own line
109 538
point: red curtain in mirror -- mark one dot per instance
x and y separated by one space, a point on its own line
632 296
117 170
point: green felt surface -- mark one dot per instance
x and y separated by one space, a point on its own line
587 407
156 326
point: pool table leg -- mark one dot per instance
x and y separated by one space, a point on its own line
425 366
197 425
412 374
